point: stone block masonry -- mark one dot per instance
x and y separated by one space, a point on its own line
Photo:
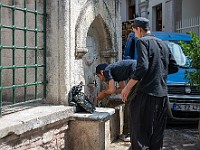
39 127
56 127
48 137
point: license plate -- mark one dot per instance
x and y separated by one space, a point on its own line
186 107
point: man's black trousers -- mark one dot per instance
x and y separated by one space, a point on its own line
148 117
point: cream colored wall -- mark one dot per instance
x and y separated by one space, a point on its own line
167 14
68 23
190 8
124 10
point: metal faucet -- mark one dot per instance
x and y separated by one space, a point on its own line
93 83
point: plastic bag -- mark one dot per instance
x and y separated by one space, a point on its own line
80 100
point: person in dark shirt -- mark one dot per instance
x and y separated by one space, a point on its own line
129 49
148 102
120 72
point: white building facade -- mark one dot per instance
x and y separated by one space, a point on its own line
167 15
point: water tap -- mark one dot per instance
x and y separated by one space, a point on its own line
93 83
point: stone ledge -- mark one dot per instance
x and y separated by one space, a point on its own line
115 97
100 114
39 116
33 118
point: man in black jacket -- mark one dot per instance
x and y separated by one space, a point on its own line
148 106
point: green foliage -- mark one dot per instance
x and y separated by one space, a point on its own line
192 50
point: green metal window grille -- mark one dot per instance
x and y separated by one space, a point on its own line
22 52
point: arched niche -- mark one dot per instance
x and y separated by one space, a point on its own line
92 16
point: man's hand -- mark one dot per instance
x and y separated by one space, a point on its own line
101 95
110 90
120 88
125 92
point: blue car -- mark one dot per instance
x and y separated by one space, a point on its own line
184 100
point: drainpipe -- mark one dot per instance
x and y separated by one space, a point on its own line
137 8
115 34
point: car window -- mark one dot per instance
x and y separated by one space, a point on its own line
177 52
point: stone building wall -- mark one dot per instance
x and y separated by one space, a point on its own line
58 127
53 136
148 9
80 34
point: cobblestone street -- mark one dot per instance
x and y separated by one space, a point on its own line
181 137
177 137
